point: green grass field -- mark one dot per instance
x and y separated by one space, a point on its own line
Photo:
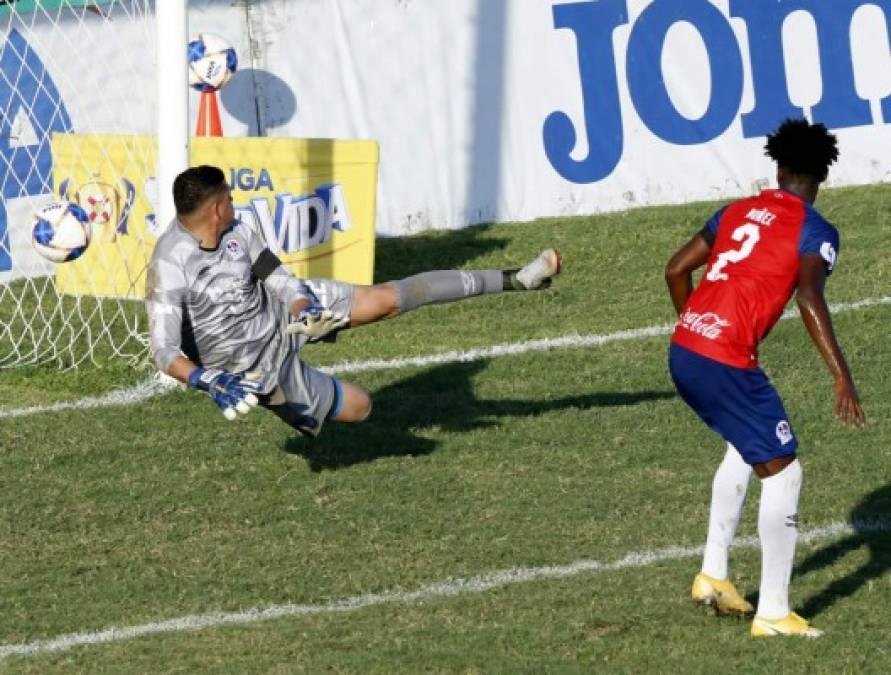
496 471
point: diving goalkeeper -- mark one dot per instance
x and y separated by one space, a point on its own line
228 319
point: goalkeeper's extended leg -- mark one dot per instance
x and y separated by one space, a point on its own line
372 303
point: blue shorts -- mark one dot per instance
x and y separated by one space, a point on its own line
739 403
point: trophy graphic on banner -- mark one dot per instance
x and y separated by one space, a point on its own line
107 203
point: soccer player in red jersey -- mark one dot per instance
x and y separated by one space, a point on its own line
757 252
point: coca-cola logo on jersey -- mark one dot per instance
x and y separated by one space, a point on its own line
707 324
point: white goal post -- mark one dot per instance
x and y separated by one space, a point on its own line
93 110
172 84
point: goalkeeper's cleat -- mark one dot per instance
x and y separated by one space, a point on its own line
538 273
720 594
788 625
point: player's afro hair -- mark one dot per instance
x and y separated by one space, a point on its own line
195 185
803 148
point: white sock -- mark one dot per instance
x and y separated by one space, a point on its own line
778 531
728 495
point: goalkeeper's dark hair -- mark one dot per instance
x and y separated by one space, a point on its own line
803 148
196 185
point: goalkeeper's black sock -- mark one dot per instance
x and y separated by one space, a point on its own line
430 288
509 281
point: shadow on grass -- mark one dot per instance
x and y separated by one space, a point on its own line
400 257
871 519
443 399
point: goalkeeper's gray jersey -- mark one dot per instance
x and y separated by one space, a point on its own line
211 307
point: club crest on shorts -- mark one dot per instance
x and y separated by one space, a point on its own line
784 432
233 249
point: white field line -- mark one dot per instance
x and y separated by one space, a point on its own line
155 387
143 391
441 589
545 344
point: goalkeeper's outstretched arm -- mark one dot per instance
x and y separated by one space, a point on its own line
232 394
311 318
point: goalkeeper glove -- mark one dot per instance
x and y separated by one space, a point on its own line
315 322
233 394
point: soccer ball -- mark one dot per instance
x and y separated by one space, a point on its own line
212 61
61 231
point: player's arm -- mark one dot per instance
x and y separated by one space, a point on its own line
164 304
679 270
180 369
164 300
817 320
311 318
290 290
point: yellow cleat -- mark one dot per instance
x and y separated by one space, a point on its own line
789 625
722 595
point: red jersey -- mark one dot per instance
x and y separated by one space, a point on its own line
751 274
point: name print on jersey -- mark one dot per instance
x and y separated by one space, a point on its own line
763 216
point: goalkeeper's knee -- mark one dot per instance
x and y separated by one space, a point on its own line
356 404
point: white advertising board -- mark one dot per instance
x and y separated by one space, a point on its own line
509 110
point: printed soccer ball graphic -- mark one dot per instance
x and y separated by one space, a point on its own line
61 231
212 61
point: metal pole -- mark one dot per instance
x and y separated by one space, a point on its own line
172 24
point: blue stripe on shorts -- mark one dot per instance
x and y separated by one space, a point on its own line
337 404
739 403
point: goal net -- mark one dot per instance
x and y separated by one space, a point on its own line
78 114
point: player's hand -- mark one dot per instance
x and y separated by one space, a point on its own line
316 322
847 403
233 394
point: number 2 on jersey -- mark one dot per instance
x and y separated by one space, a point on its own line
748 234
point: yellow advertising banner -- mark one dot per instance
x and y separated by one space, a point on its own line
312 200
